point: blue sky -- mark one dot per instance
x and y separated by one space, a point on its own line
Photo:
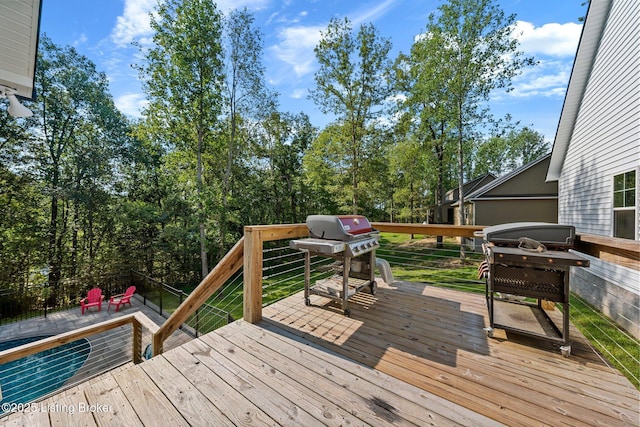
103 31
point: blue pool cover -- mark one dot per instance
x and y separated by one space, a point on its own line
32 377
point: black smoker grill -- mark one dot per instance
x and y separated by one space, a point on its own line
529 260
349 239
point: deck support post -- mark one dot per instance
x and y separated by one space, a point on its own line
252 274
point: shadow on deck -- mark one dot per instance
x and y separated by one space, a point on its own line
410 355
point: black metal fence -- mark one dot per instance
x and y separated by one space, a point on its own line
39 300
165 299
35 300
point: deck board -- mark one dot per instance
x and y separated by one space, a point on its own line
404 336
410 355
195 363
147 399
191 402
276 370
104 390
402 399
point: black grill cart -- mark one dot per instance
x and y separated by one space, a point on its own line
525 275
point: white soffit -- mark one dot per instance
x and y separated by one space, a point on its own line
19 28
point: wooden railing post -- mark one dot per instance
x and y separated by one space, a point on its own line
254 237
136 341
252 274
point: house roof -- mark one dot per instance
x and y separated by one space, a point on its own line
469 186
585 56
499 181
19 29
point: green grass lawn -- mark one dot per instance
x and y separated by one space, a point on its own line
619 347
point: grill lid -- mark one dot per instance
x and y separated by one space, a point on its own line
551 235
338 227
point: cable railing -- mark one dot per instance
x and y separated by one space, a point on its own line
35 367
618 347
164 299
216 278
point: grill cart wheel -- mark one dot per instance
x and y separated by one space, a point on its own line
307 302
347 312
373 288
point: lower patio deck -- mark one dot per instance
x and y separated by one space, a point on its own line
410 355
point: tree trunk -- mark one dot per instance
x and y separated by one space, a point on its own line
461 216
54 268
203 242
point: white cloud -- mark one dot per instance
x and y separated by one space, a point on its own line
557 40
373 13
134 23
225 6
554 46
296 48
299 93
81 40
131 104
548 79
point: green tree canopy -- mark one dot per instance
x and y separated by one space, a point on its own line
184 79
351 84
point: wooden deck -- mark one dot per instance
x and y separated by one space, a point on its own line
410 355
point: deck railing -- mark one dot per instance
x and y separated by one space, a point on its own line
110 344
137 321
231 263
618 251
263 272
250 254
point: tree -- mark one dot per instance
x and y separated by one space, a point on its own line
500 154
322 172
286 137
77 132
407 172
424 108
350 84
248 101
478 55
183 79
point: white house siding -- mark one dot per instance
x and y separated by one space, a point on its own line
605 142
606 137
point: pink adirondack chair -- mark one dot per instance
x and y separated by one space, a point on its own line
94 298
120 299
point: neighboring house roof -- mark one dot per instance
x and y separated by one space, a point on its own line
19 29
480 192
587 48
468 187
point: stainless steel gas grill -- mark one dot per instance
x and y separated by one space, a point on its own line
352 242
519 265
